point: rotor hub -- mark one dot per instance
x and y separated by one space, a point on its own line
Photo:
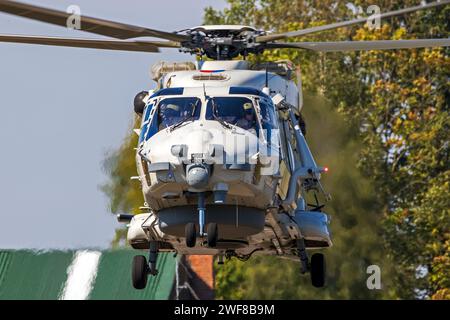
223 42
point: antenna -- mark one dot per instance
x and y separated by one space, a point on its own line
267 75
266 88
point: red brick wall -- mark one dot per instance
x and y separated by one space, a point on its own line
203 267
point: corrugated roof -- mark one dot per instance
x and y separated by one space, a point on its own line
29 275
114 278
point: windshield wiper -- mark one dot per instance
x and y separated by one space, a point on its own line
179 124
184 121
221 121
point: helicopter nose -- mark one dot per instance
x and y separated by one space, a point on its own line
197 176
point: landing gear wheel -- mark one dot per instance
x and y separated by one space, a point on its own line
139 272
318 270
212 232
190 232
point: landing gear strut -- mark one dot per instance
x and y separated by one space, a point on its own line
152 258
201 213
303 255
190 230
141 269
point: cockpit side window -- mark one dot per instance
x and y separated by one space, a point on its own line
268 116
145 122
238 111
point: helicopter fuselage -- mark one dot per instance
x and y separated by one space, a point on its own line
212 143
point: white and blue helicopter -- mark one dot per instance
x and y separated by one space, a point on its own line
222 158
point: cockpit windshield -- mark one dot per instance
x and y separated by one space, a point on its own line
237 111
173 111
170 112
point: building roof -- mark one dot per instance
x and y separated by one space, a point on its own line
90 274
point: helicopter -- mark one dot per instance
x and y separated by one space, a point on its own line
222 159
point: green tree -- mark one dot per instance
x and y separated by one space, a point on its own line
125 195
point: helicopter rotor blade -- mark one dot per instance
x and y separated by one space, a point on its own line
273 37
138 46
93 25
361 45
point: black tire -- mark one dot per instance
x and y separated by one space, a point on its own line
212 232
139 272
318 270
190 232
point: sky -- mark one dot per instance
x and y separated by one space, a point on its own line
62 111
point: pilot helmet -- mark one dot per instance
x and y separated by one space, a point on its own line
171 109
248 108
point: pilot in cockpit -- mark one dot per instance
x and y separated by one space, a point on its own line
248 121
169 115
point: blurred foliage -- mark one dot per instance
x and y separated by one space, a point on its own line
125 195
397 103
